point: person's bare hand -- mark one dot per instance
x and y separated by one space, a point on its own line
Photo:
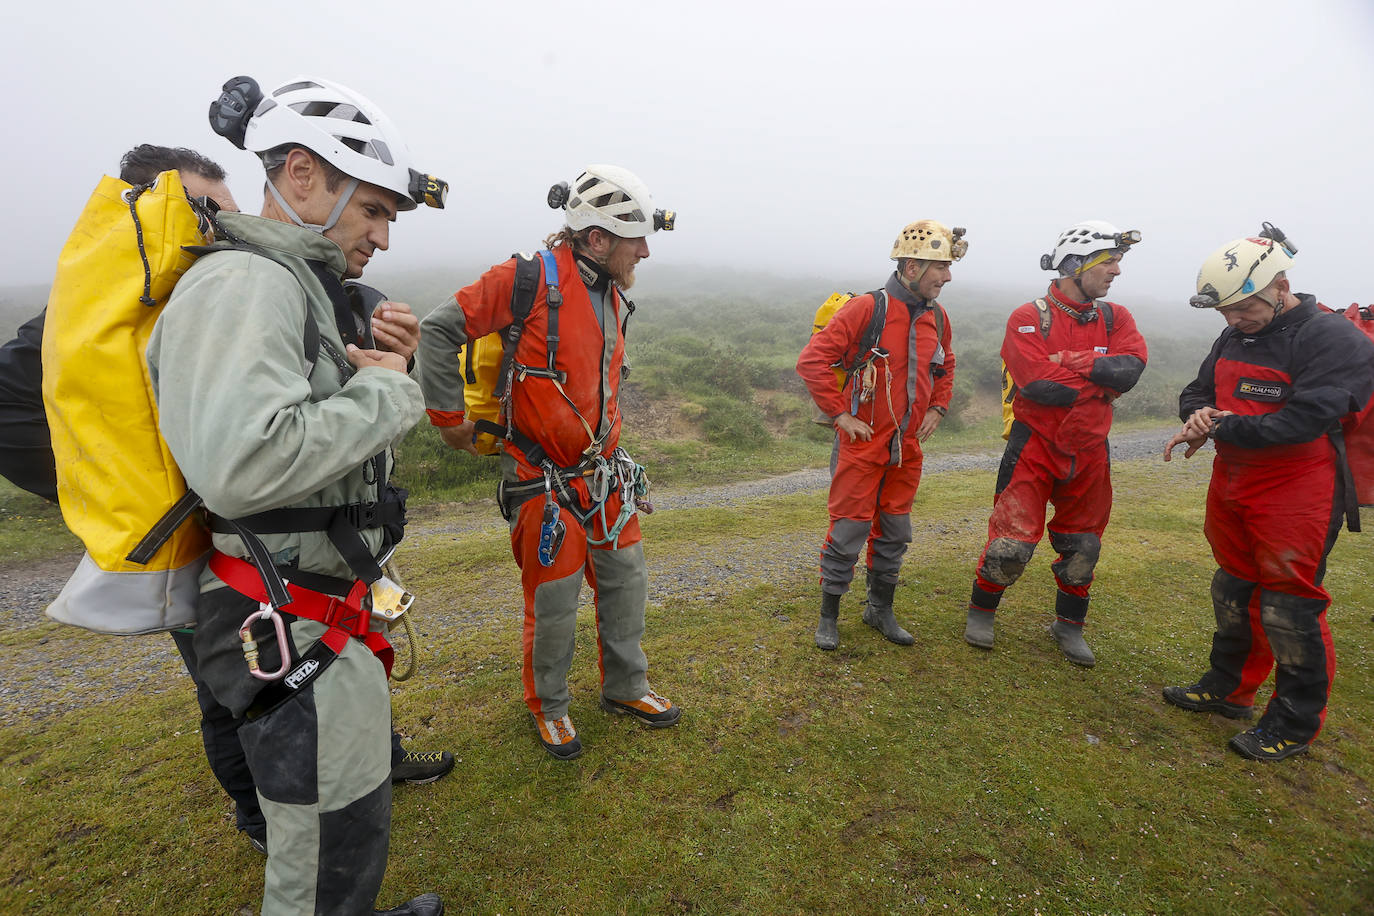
395 328
928 425
857 430
382 359
460 437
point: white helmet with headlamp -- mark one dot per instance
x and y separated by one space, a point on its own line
1085 245
333 122
1243 268
611 198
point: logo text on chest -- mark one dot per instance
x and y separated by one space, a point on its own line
1256 390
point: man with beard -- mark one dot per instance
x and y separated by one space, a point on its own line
1070 355
1271 395
894 344
569 492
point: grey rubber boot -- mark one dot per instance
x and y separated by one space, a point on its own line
978 630
1071 643
878 612
827 631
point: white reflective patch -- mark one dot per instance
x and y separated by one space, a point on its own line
1100 349
303 671
1025 329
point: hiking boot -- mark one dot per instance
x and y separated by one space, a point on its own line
653 710
878 612
257 838
978 630
1198 698
1259 743
423 905
1071 643
827 631
559 737
420 767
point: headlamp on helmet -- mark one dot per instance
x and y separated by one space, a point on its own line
1243 268
930 240
1084 245
610 198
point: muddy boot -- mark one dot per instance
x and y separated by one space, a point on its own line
1071 643
827 631
978 630
878 612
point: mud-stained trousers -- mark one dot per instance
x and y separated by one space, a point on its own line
619 581
1271 527
870 501
322 765
1033 475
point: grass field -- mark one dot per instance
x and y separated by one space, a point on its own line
872 779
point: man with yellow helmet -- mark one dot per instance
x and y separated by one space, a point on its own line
894 396
1069 354
1271 394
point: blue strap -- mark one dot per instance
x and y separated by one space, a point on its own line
550 268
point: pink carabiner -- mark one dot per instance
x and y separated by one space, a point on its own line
250 646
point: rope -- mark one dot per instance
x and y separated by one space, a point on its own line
412 641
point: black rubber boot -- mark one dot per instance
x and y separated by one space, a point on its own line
423 905
827 631
878 612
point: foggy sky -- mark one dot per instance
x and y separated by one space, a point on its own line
796 139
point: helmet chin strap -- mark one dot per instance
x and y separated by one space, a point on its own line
913 284
333 214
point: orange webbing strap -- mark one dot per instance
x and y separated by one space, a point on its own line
345 617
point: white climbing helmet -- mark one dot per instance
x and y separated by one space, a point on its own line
341 127
1074 251
1242 268
611 198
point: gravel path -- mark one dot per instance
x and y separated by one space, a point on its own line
67 668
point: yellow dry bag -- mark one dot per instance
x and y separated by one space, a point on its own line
482 361
115 476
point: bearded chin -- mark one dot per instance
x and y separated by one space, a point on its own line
624 278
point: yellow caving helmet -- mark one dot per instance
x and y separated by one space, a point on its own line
1242 268
929 240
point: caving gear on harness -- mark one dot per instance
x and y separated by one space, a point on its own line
867 354
611 198
1085 245
1243 268
333 122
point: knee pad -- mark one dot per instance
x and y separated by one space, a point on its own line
1005 560
1079 553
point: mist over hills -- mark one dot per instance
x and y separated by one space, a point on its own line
674 285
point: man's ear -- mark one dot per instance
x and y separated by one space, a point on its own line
299 174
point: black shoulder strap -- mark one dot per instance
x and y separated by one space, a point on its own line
874 332
1104 308
522 295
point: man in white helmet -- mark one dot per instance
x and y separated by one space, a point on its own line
1271 395
568 489
895 346
1069 354
280 400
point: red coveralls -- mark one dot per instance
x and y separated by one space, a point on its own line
873 483
1057 450
592 359
1275 505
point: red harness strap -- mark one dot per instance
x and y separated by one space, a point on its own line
345 616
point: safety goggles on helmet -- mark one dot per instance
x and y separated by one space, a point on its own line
610 198
930 240
1220 281
1085 245
333 122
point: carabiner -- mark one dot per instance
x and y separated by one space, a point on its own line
265 611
